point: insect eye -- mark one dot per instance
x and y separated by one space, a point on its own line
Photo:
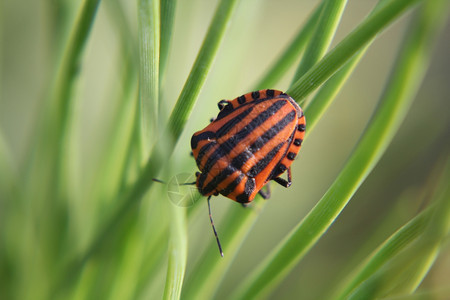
222 104
225 111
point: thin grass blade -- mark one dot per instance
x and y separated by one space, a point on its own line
71 57
207 275
177 253
354 42
404 273
292 52
167 19
149 43
9 174
120 132
402 238
60 101
201 68
398 241
324 32
329 90
46 169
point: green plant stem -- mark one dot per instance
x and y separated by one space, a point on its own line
70 63
167 19
65 79
339 55
177 253
128 38
47 165
395 103
404 273
329 90
398 241
324 32
208 273
149 45
292 52
156 257
111 170
132 151
201 68
403 237
9 184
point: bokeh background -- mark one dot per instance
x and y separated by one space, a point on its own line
31 33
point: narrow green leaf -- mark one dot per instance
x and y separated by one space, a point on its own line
149 43
133 153
329 90
425 294
46 174
51 137
201 68
208 274
122 129
395 103
8 171
177 253
70 65
167 19
357 39
398 241
404 273
431 242
156 256
324 32
292 52
112 165
420 262
71 57
128 38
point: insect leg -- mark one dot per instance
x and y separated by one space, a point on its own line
265 194
213 227
286 183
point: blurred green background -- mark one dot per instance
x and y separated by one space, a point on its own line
32 32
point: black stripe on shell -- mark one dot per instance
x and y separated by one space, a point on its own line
207 135
298 142
270 93
263 163
226 147
233 122
243 157
249 188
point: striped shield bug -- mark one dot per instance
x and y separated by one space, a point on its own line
253 140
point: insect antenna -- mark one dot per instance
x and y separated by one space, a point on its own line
163 182
214 228
189 183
